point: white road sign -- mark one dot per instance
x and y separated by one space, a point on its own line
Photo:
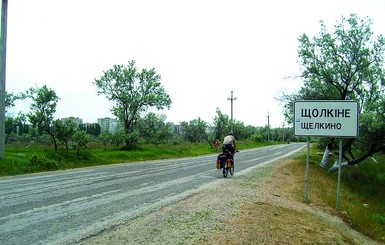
329 118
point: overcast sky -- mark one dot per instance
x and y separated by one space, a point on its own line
203 49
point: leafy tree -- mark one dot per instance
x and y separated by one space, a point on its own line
10 126
258 135
92 129
14 125
347 65
133 92
22 127
80 139
43 107
222 127
131 137
241 131
95 129
64 130
10 99
221 124
153 129
196 131
12 122
105 138
117 138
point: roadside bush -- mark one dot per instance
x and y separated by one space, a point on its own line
257 137
175 140
41 162
80 140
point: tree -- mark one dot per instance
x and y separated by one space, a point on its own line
196 131
222 127
105 138
64 130
152 128
92 129
241 131
347 65
221 124
258 135
11 98
133 93
14 125
12 122
117 138
80 139
43 107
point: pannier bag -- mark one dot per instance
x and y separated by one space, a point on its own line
223 158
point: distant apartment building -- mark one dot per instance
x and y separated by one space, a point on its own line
76 119
109 124
176 128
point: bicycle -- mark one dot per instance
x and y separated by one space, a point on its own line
225 161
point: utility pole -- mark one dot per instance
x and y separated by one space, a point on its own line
3 49
268 127
231 100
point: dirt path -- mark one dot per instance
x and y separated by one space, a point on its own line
259 206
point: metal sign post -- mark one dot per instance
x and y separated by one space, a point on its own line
339 175
307 171
325 118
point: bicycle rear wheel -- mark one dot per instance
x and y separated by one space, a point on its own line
225 172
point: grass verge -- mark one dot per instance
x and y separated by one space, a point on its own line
362 203
24 159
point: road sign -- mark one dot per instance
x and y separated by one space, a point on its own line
327 118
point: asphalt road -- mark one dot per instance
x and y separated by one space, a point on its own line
63 207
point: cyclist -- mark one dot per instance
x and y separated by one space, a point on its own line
229 143
217 144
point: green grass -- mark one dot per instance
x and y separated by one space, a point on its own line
362 202
24 159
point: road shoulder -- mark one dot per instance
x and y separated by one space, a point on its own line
258 207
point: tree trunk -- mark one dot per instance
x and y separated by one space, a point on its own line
325 158
53 138
355 161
